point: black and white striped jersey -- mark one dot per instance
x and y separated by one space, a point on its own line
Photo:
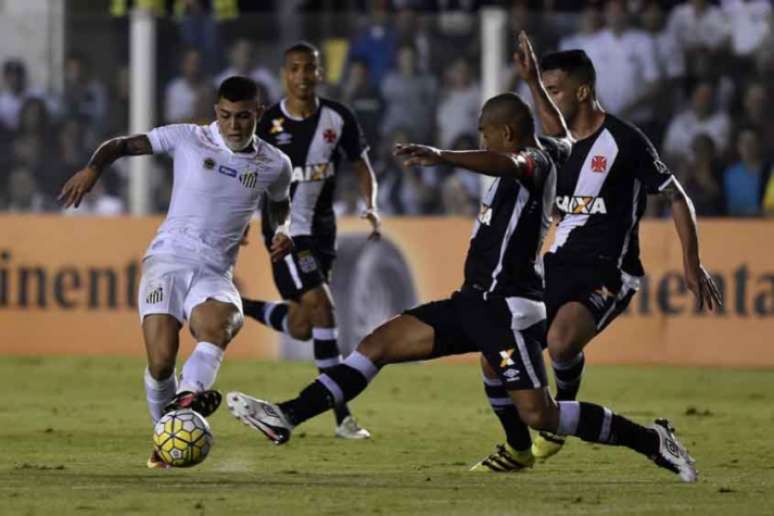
601 194
508 234
315 146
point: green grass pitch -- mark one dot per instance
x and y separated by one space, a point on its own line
75 434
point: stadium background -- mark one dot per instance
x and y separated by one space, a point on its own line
696 76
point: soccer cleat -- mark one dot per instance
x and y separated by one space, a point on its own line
672 455
155 462
350 429
505 460
260 415
203 402
546 445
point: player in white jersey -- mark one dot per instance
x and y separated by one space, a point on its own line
220 173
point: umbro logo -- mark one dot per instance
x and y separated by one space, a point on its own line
512 375
155 296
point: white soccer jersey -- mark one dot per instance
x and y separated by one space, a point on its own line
215 192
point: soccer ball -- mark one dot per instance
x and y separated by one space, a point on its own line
182 438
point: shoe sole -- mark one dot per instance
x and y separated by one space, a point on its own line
241 411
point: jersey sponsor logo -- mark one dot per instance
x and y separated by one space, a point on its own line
506 358
598 164
306 262
485 215
276 125
318 172
581 205
226 171
329 135
249 180
155 296
208 163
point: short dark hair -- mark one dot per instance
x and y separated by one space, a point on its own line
510 109
237 88
303 47
575 63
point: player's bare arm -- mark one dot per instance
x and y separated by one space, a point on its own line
485 162
84 180
698 280
527 65
368 189
281 244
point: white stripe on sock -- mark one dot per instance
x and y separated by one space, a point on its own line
333 388
325 363
569 416
362 363
604 433
325 333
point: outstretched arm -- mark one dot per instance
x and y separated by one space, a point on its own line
698 280
368 189
488 163
84 180
526 63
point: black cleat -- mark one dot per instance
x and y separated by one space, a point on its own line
203 402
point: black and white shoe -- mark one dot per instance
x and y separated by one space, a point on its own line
672 455
261 415
203 402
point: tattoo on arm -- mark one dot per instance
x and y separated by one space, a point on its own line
116 148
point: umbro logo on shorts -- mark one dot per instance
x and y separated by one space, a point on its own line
249 180
156 296
512 375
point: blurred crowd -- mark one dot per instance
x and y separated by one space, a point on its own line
695 75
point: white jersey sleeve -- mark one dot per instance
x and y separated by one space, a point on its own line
279 190
165 139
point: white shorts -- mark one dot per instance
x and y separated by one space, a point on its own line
170 286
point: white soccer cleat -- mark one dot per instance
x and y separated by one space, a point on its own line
350 429
260 415
672 455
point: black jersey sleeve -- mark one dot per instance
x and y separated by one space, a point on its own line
648 167
558 149
263 127
352 141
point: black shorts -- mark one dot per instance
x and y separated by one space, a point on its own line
605 290
304 269
509 333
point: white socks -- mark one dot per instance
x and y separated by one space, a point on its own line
201 368
159 393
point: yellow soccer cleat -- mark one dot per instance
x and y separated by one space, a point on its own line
505 460
546 445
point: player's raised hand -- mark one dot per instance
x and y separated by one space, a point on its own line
375 220
703 287
77 186
525 59
281 245
415 154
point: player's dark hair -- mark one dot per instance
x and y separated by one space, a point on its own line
510 109
302 47
237 88
575 63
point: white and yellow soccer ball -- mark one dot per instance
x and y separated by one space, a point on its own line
182 438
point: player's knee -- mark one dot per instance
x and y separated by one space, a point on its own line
218 329
161 366
561 343
319 305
